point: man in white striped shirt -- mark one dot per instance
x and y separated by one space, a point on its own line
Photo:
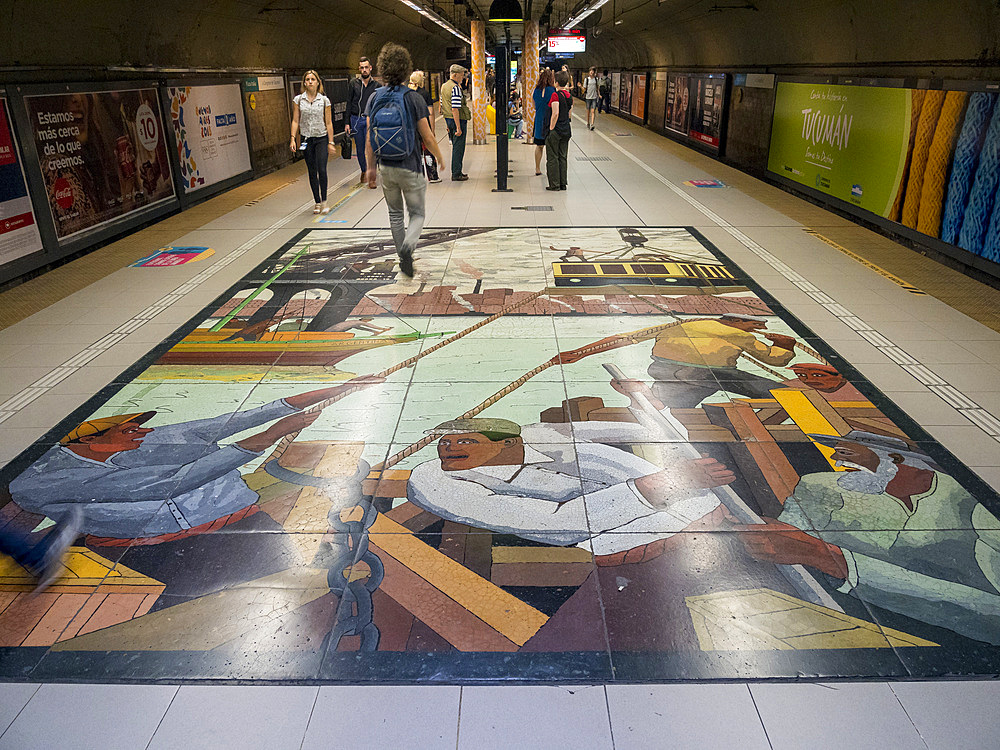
456 113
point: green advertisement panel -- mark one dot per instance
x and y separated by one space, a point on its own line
847 141
928 159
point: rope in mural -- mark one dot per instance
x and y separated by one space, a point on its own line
963 170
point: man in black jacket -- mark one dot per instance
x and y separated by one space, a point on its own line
358 93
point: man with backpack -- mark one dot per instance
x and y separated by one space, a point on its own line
398 121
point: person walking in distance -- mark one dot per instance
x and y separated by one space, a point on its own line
312 118
455 109
358 93
398 121
592 95
559 133
604 90
544 89
430 163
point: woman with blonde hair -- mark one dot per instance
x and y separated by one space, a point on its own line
417 83
312 118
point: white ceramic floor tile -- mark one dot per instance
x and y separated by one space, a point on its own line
101 717
834 716
508 716
205 717
953 715
423 717
13 697
684 716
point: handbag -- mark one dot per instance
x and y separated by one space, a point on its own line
346 144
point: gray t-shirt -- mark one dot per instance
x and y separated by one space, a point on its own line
591 88
417 108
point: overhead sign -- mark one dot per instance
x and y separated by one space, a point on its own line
575 43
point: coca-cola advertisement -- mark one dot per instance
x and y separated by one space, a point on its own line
18 229
102 155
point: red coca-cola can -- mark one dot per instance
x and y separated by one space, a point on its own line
126 157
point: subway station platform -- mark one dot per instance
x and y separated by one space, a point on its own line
667 465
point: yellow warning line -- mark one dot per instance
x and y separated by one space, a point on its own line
867 263
354 191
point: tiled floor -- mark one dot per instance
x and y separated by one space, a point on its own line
939 367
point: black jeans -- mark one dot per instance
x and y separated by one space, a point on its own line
316 156
557 153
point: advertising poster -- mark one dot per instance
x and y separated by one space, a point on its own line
625 99
616 87
694 107
922 158
209 133
336 91
103 155
706 100
267 120
676 112
18 229
639 95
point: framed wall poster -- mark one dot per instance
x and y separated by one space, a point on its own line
102 154
616 87
210 134
639 95
921 158
18 229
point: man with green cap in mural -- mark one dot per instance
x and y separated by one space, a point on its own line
535 482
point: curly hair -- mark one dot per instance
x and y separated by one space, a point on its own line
394 64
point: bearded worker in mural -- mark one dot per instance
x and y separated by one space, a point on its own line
894 531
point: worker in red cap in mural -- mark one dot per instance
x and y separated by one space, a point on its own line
825 379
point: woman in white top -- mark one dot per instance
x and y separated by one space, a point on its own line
311 116
592 95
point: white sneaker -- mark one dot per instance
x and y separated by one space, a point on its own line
324 209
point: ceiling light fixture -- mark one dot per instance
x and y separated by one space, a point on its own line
573 22
432 16
506 11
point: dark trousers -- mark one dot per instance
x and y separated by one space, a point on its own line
317 152
25 554
604 103
556 155
457 145
684 387
430 164
359 132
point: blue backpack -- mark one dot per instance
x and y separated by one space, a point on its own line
391 125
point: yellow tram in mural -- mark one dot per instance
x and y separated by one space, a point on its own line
640 272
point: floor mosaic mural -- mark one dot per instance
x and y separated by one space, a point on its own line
566 454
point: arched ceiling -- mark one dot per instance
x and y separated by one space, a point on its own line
883 37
